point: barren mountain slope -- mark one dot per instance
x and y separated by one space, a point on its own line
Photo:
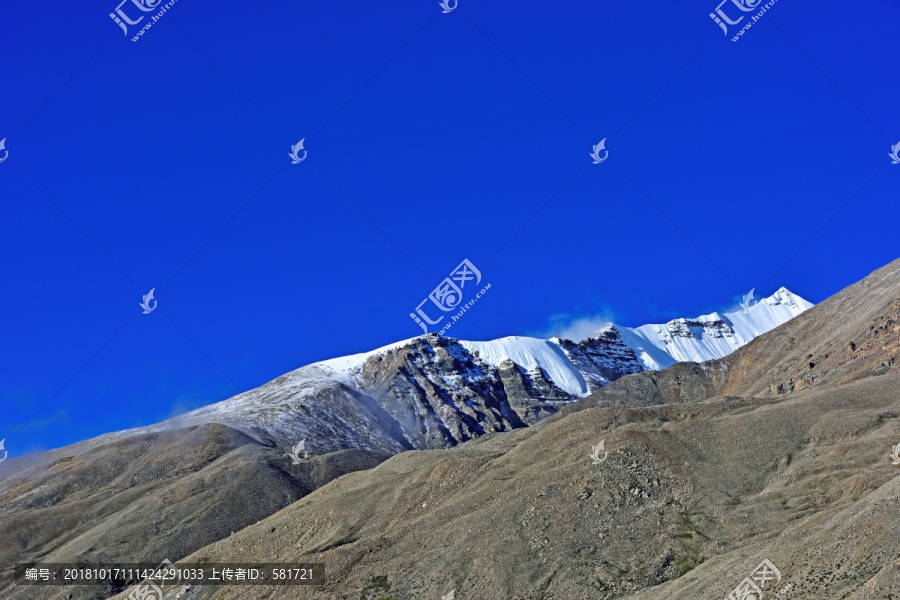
695 486
693 494
682 382
160 493
852 335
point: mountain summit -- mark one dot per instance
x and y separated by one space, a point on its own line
712 336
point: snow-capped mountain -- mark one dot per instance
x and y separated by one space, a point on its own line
432 391
711 336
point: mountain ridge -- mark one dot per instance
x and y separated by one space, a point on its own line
431 391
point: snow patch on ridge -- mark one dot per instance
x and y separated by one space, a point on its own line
711 336
343 367
529 353
656 346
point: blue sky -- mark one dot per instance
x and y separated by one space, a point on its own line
431 138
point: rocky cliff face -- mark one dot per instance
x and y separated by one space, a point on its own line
602 358
429 392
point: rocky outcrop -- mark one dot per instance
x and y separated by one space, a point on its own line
602 358
437 392
531 395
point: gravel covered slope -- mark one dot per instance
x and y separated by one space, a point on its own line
852 335
154 495
690 499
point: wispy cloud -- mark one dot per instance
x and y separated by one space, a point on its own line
576 328
184 404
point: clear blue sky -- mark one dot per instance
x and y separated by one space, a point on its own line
432 138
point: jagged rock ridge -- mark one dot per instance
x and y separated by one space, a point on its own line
434 392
